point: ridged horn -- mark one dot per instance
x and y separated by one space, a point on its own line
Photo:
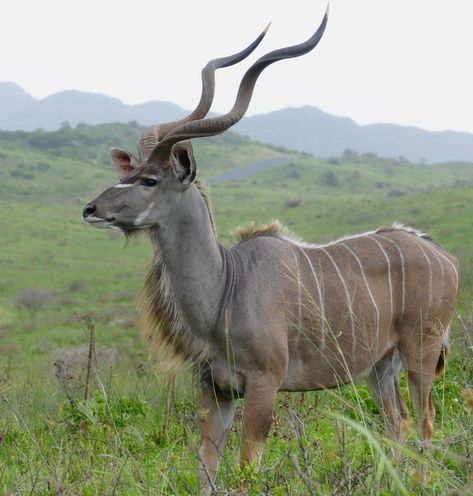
156 133
217 125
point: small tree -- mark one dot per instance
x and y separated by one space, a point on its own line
33 299
330 179
349 154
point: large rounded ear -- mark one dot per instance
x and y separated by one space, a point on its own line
124 161
183 162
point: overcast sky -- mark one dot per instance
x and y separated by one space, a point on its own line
401 61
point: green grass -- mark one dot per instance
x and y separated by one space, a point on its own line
129 437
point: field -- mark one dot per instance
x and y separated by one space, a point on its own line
103 423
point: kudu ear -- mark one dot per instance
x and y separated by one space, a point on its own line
183 162
124 161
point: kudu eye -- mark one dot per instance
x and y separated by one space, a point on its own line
149 182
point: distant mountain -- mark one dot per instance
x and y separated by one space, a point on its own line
20 111
13 99
310 130
305 129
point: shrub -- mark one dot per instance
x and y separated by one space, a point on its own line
356 175
72 366
34 299
293 203
22 175
76 286
349 154
294 172
42 167
330 179
396 192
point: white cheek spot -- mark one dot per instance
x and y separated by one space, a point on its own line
123 185
141 217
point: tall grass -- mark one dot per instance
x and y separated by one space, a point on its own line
118 441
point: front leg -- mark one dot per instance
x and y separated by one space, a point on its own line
216 420
260 395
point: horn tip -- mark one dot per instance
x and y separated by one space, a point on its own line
327 10
265 30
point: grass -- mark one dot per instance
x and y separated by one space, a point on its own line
123 439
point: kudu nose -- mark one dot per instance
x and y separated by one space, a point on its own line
88 210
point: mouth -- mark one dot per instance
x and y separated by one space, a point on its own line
98 221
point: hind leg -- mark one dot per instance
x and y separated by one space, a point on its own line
405 419
420 387
421 360
383 382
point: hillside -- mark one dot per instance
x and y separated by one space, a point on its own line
62 170
73 162
306 129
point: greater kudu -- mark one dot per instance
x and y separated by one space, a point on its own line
271 313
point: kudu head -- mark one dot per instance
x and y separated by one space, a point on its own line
151 184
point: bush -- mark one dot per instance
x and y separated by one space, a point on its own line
294 172
34 299
330 179
349 154
76 286
293 203
76 367
42 167
356 175
396 192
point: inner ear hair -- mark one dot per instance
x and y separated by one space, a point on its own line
183 162
124 161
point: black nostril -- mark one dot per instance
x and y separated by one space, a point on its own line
88 210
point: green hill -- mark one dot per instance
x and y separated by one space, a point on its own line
46 177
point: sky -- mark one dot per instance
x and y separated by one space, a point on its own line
402 61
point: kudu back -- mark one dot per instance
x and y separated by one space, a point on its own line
296 317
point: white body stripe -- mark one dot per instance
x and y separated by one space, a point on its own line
435 250
350 309
403 272
366 282
376 236
299 299
435 254
389 277
321 300
430 277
